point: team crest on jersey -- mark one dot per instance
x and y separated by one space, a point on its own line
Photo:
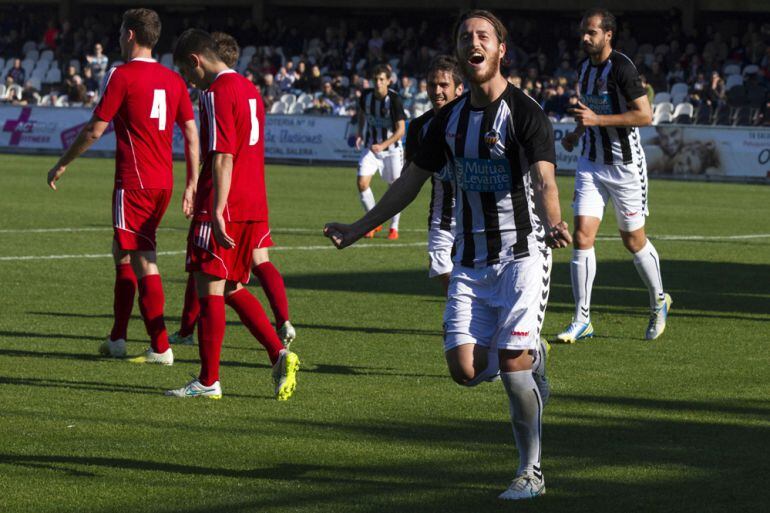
491 138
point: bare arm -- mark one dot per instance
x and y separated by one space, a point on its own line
398 196
639 114
192 157
547 204
397 135
87 136
222 176
360 132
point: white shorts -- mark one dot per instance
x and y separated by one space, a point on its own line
387 163
625 185
440 243
501 306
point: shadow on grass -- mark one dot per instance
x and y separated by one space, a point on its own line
639 460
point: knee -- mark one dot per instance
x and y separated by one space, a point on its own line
260 256
362 185
634 241
584 239
462 374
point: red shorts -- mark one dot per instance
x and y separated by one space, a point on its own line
206 256
136 215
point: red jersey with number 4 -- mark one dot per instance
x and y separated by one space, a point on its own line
232 121
144 99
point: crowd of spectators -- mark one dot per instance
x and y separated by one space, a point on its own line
322 67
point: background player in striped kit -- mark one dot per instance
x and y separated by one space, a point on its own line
267 274
500 143
144 99
444 85
381 113
612 165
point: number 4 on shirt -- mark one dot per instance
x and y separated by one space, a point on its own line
159 108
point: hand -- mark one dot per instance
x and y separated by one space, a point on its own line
54 174
558 236
569 141
341 235
376 148
188 201
218 226
584 116
359 142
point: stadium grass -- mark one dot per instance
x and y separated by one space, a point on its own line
679 424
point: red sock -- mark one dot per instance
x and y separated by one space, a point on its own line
253 317
192 308
151 301
211 331
272 283
123 303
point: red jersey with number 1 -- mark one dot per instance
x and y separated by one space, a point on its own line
232 121
144 99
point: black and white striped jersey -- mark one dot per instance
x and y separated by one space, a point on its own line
491 150
442 196
381 116
607 88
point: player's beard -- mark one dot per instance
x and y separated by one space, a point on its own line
493 66
594 50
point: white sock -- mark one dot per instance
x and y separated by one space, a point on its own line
526 409
367 199
647 263
394 221
583 271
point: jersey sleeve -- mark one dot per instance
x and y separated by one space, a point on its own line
397 109
431 154
114 91
223 139
630 82
412 140
185 111
533 130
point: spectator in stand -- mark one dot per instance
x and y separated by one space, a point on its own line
69 77
254 66
315 82
17 73
515 80
657 77
91 83
98 62
676 74
715 94
329 102
556 102
421 103
50 35
407 90
565 71
29 95
283 79
76 92
270 91
301 77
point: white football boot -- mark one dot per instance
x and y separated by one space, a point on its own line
196 389
150 356
113 348
527 485
576 331
287 334
658 318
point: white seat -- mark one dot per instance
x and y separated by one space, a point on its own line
2 91
662 117
733 81
750 69
679 93
61 101
661 97
297 108
732 69
28 65
289 99
28 47
278 108
53 76
46 55
684 109
663 107
45 101
36 82
304 97
567 119
41 67
33 55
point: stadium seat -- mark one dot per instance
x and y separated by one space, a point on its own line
297 108
661 107
741 116
75 63
722 115
62 101
2 64
45 101
662 117
2 91
733 81
242 64
53 76
278 108
683 113
46 55
649 58
28 65
360 65
750 70
36 82
32 55
732 69
249 51
304 98
703 114
567 119
662 97
662 49
288 99
28 47
41 67
167 59
679 93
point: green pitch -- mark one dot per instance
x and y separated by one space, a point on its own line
376 425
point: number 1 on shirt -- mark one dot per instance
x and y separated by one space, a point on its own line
254 136
159 108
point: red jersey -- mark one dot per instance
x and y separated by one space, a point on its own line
143 99
232 121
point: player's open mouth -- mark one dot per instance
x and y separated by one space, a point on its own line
476 58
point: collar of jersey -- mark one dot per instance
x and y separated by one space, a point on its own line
142 59
224 72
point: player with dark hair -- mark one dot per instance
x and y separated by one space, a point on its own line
269 277
500 145
612 166
381 125
230 215
444 85
143 99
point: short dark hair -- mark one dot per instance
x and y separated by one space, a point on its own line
609 23
447 64
227 48
500 31
195 40
146 25
378 69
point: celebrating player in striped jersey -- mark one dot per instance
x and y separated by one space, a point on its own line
267 274
230 215
444 85
500 145
381 112
143 100
612 166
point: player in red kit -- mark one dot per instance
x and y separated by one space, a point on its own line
143 100
230 215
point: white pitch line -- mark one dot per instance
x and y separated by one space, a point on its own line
171 253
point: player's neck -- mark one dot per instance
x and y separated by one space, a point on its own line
213 71
600 58
139 52
380 95
484 94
